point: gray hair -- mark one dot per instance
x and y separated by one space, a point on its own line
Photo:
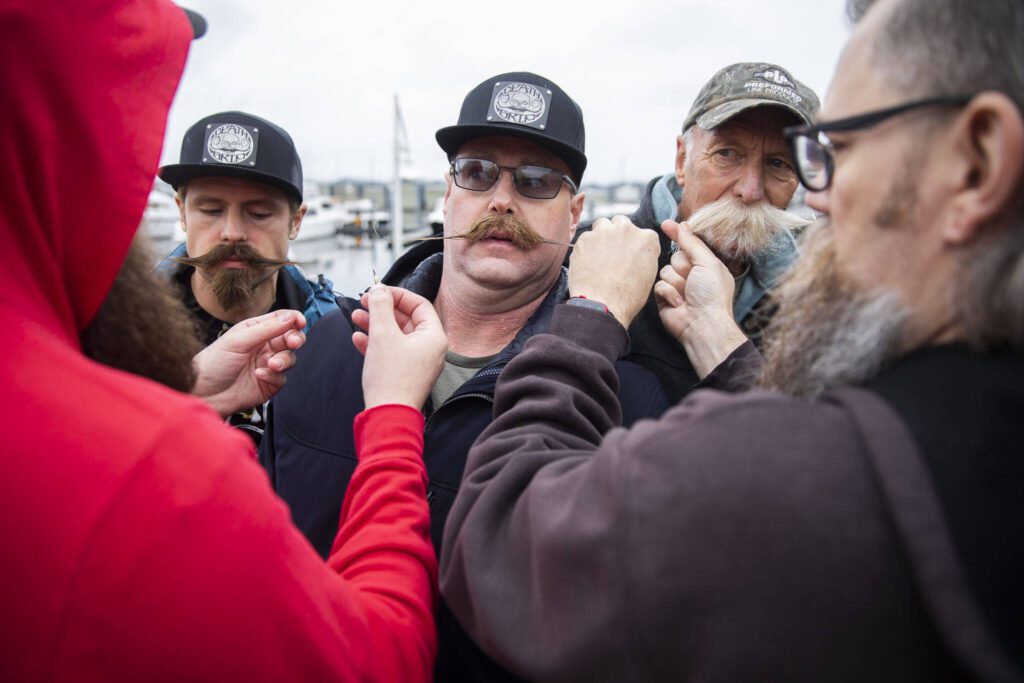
688 141
960 47
950 47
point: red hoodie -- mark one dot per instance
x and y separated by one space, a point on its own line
140 539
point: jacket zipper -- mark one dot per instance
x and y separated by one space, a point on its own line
431 489
486 397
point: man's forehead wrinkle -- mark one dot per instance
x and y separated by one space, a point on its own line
520 152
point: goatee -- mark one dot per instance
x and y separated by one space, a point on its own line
233 287
828 330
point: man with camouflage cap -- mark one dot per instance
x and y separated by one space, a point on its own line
733 179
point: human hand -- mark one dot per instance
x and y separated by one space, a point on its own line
404 345
246 366
615 264
694 297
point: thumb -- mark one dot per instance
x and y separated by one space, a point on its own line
693 247
671 230
253 333
382 310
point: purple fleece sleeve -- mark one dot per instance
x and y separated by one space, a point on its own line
652 551
737 372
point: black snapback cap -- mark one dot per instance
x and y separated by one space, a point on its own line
521 105
233 144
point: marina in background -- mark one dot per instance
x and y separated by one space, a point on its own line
346 233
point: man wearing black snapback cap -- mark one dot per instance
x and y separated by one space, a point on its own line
511 207
239 194
732 181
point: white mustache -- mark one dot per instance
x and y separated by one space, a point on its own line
739 231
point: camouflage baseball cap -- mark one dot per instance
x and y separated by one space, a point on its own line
750 84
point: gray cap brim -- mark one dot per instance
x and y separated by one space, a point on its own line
723 112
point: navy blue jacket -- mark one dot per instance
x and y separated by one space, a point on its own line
308 447
309 452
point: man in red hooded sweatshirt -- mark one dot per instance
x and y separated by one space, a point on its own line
141 541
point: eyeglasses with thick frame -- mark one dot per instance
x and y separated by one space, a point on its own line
813 153
533 182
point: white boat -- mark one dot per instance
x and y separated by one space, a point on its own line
325 217
367 219
435 219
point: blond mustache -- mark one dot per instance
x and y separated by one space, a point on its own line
520 234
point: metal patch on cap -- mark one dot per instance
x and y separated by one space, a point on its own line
231 143
520 103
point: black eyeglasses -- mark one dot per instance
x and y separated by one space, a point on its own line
535 182
812 151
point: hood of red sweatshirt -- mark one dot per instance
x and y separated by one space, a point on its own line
87 85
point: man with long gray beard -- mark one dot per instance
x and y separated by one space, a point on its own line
856 519
238 185
733 180
511 207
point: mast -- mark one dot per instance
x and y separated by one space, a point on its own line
401 150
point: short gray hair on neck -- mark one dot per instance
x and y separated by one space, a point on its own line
950 47
688 140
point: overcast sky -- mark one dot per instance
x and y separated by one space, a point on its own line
328 71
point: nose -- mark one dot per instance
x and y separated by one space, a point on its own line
502 194
750 185
232 228
819 201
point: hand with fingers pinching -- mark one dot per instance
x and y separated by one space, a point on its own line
694 297
403 344
246 366
614 264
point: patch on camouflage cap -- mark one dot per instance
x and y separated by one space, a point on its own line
750 84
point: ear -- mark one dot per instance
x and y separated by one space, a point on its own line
989 143
576 209
680 159
293 231
181 212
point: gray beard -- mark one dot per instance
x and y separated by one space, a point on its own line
829 330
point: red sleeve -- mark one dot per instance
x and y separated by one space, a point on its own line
197 572
383 546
